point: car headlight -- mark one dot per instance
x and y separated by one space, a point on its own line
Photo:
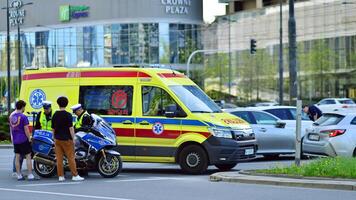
223 133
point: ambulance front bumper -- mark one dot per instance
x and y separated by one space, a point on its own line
229 151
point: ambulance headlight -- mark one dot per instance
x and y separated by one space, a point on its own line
223 133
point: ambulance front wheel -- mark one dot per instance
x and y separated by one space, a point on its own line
193 159
225 167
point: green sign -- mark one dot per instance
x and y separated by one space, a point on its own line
68 12
64 13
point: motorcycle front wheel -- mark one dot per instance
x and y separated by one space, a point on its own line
110 166
43 170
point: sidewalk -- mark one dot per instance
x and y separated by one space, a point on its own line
246 177
6 146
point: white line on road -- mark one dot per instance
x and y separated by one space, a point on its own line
48 184
62 194
145 179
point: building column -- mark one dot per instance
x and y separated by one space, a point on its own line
259 4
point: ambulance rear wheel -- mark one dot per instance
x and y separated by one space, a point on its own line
193 159
225 167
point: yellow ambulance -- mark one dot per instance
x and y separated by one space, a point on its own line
159 115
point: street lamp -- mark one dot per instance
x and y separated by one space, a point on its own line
280 53
17 7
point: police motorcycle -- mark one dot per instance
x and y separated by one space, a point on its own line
95 150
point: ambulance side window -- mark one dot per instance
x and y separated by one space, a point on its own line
154 101
107 100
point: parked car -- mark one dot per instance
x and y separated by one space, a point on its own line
333 134
335 104
261 104
273 137
288 114
223 105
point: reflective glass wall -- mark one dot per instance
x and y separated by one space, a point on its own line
100 45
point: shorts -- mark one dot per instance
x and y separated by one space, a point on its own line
23 148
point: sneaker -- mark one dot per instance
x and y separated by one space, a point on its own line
61 179
30 177
77 178
14 174
20 177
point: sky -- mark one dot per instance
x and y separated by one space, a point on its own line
212 8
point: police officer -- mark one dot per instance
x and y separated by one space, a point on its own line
84 120
44 118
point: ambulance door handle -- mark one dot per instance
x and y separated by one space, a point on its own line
144 123
127 122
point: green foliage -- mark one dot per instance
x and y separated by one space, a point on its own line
339 167
4 128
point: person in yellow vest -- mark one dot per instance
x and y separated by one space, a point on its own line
44 118
84 120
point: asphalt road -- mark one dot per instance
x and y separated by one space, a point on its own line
155 182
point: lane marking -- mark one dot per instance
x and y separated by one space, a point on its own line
62 194
48 184
145 179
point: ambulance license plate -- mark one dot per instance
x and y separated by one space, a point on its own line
249 151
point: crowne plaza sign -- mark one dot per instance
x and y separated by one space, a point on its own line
178 7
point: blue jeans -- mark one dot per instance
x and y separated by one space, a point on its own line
14 163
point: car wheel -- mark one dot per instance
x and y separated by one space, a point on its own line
225 167
193 159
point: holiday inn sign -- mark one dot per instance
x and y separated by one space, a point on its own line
68 12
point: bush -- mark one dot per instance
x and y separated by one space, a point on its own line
4 128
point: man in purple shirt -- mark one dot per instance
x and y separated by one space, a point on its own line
21 137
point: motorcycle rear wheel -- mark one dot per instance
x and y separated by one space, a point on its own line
109 167
43 170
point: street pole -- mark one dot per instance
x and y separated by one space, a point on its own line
230 55
19 55
293 83
8 58
298 144
280 53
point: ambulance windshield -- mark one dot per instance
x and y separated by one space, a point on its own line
195 99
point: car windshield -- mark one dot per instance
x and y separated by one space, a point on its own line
346 101
195 99
329 119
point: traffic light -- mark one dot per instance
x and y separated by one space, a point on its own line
253 46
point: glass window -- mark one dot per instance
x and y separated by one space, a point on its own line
329 119
263 118
195 99
155 100
327 102
346 101
283 114
107 100
245 116
353 122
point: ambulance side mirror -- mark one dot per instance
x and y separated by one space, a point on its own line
173 110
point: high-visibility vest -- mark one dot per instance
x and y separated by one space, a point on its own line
79 122
45 125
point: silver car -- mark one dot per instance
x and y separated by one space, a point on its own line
333 134
272 135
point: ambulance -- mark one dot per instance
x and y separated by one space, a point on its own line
159 115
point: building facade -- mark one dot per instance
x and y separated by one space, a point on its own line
326 46
77 33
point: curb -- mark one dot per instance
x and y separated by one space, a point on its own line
236 177
6 146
